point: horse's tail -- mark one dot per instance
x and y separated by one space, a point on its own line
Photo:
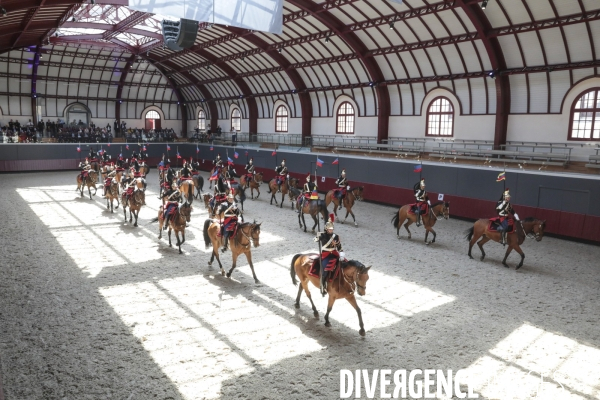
293 270
205 232
190 194
469 233
201 182
323 209
153 220
396 219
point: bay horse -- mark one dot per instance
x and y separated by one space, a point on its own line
96 165
144 169
187 191
246 235
352 195
351 277
530 227
134 202
198 184
313 208
253 183
294 194
436 211
177 223
238 191
285 185
90 182
112 194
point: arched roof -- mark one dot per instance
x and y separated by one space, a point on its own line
386 56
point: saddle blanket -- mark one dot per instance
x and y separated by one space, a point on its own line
195 172
495 223
413 207
315 267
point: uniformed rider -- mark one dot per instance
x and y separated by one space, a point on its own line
342 184
331 252
504 210
422 199
307 190
218 162
173 196
249 171
230 219
282 172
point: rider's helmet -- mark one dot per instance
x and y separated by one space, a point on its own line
423 183
230 197
283 163
344 172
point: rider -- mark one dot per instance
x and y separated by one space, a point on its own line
341 182
331 252
85 169
92 154
129 188
422 200
186 172
105 157
307 190
250 171
230 215
281 175
504 210
173 197
219 192
218 162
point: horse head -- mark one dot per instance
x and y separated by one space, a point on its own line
534 226
446 210
186 211
359 193
255 233
258 177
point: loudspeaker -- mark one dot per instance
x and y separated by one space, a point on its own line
179 35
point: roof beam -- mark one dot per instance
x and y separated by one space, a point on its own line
78 80
80 98
118 102
31 14
129 22
352 40
546 23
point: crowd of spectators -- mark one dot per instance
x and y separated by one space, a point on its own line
78 132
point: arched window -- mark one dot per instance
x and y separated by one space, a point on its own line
236 120
440 118
201 120
345 118
585 116
281 119
152 120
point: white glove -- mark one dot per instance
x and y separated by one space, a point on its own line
428 202
516 216
342 255
275 168
348 187
316 239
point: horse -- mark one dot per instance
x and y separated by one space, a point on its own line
352 195
285 185
177 223
198 184
144 169
312 207
90 181
96 165
436 211
135 202
187 191
247 234
294 193
351 277
530 227
238 191
253 183
112 194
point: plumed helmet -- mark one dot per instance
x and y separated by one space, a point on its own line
250 160
230 196
506 194
308 178
329 225
344 171
283 162
422 182
218 156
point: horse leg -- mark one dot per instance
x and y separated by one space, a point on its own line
518 250
300 289
233 265
170 245
427 230
130 215
315 218
483 241
352 300
304 222
135 214
299 216
258 191
474 239
90 192
179 242
249 258
408 223
304 286
282 199
330 301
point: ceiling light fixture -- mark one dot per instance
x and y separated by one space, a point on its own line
327 38
484 4
279 50
3 11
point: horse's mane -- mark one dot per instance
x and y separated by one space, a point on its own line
356 187
529 219
354 263
436 204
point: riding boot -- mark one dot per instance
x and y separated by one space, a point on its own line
225 241
418 217
279 188
324 279
504 238
166 223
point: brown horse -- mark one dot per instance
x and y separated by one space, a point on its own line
253 183
352 195
238 191
144 169
177 223
134 202
530 227
285 185
313 208
187 191
90 182
198 184
352 277
247 234
436 211
112 194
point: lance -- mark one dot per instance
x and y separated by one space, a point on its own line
321 272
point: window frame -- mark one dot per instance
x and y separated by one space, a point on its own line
439 113
345 116
151 111
595 113
203 127
238 118
283 117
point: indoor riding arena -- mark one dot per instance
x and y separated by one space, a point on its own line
426 171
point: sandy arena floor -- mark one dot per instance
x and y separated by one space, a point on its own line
93 308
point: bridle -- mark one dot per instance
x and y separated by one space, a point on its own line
441 215
532 234
250 239
354 284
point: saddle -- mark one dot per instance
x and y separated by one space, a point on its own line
186 178
107 182
494 224
233 182
195 172
414 206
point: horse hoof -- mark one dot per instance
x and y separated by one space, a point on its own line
518 266
135 224
505 265
256 281
316 314
427 243
229 274
170 245
327 324
341 222
481 259
471 257
361 332
296 305
356 225
398 236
